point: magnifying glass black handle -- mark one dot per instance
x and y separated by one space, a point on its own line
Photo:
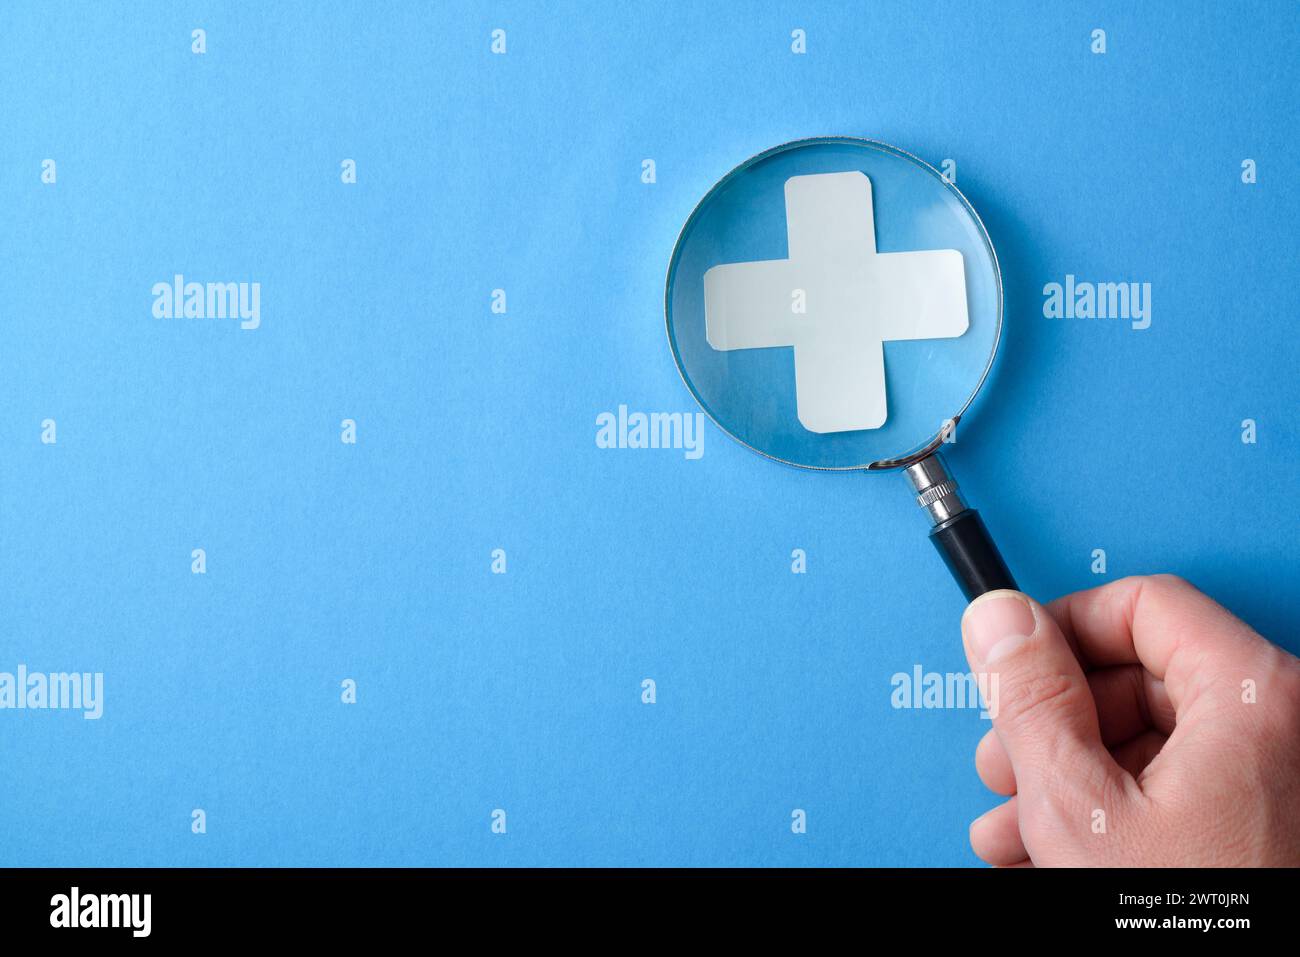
967 549
959 534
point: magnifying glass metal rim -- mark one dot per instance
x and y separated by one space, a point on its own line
928 447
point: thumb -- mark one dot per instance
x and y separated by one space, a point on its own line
1042 708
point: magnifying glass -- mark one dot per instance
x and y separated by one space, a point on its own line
834 304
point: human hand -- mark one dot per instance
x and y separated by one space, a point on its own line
1135 724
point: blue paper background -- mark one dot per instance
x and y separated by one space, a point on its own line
476 431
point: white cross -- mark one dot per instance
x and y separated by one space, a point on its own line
855 300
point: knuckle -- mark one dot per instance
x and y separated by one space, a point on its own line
1160 587
1170 580
1277 707
1039 698
1166 589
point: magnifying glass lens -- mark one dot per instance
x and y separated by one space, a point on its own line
832 303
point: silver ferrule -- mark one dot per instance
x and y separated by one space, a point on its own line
936 490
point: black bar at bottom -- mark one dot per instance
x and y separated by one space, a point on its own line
976 906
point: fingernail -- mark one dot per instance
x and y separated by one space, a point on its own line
996 624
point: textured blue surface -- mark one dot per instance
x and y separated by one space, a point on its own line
476 430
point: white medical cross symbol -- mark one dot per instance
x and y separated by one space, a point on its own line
855 300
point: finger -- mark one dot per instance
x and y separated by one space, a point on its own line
993 765
1134 756
1129 700
1160 622
1134 715
1042 708
995 836
1025 863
